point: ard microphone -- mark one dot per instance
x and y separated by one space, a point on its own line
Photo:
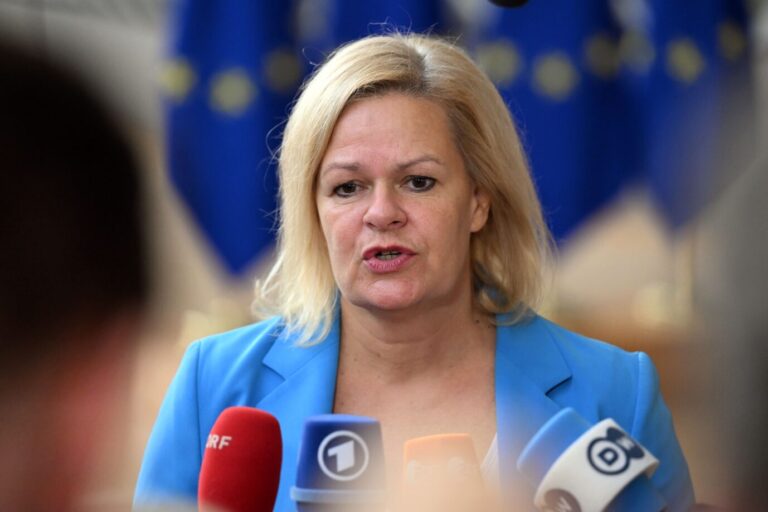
241 464
441 473
341 465
578 466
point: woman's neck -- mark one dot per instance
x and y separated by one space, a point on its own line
418 375
398 345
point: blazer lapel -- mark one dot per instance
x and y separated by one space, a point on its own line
308 389
528 366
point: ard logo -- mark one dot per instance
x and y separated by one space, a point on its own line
343 456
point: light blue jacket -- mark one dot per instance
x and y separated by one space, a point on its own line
540 368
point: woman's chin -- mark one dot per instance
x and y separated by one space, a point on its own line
385 300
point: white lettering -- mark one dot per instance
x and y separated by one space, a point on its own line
413 471
345 455
457 468
217 442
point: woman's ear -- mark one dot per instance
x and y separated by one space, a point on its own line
481 207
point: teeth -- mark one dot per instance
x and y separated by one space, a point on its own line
387 255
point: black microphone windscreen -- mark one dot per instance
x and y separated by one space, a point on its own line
509 3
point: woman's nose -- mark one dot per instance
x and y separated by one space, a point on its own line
384 210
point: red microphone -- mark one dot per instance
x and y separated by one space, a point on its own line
241 464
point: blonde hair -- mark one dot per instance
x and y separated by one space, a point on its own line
508 255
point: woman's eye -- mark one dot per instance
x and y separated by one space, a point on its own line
346 189
420 183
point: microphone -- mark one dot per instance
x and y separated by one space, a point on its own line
578 466
509 3
341 465
441 473
241 464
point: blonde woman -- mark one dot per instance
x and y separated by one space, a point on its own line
410 261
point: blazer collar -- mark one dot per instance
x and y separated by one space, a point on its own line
530 345
308 389
528 366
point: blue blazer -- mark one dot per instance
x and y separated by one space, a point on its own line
539 369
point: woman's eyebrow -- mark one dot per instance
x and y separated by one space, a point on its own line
419 160
345 166
355 166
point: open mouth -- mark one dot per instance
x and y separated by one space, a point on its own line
387 255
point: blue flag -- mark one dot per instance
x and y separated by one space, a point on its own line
232 72
556 65
612 92
695 96
323 26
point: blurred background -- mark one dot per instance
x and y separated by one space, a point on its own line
643 121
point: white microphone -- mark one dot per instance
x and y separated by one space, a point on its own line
576 466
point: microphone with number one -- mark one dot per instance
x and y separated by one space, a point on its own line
341 465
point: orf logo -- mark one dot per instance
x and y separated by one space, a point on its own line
612 454
343 456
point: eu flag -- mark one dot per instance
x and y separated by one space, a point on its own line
555 62
233 69
695 96
608 93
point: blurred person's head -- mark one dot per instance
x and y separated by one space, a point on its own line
732 297
507 255
72 279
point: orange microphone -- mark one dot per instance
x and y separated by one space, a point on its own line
441 473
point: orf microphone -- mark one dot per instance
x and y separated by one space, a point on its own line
441 473
578 466
241 465
341 465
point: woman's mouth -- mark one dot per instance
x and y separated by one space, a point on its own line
382 260
387 255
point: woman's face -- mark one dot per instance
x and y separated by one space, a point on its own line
397 206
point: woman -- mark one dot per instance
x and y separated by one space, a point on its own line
410 257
